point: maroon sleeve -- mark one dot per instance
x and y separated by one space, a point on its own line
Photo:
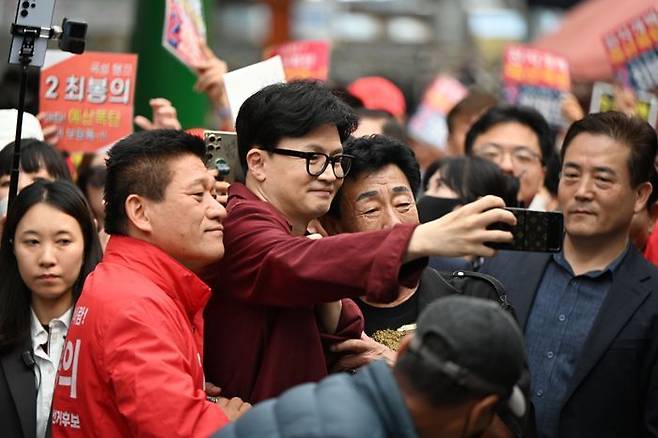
350 326
264 264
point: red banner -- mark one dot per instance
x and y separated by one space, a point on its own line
303 59
537 79
89 97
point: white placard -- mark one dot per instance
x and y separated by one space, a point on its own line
243 83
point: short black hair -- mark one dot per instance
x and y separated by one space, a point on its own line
372 153
35 155
552 176
631 131
139 164
514 114
474 177
290 110
368 113
341 92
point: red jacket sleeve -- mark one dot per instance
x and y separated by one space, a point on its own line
264 264
150 377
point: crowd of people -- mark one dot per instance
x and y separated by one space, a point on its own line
331 292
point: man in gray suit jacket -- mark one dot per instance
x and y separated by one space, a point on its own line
590 312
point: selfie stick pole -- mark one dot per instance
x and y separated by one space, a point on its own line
30 36
71 38
13 182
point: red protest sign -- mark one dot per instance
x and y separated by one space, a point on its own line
536 78
303 59
633 51
536 68
429 124
184 30
89 97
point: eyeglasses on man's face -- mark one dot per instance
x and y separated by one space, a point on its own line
521 155
317 162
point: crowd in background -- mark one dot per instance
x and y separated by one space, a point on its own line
141 295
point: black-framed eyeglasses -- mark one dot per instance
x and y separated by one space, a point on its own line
317 162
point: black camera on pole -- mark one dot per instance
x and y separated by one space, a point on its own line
31 30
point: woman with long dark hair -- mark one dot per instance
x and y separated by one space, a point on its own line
48 247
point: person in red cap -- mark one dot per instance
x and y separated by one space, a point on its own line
378 93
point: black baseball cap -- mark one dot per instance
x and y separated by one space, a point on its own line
481 346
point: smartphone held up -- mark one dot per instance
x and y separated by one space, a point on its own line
540 231
222 154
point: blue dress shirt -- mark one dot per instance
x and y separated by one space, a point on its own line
558 325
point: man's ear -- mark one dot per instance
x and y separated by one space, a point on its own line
256 159
482 413
137 213
642 193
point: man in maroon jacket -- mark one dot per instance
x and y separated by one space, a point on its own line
278 294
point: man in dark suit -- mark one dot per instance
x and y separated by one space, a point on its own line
590 312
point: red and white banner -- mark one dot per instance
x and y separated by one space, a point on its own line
89 97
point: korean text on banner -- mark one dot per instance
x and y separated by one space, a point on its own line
184 29
537 79
243 83
303 59
429 124
632 49
89 97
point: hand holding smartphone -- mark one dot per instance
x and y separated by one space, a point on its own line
540 231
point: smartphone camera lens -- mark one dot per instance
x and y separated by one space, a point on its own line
223 167
23 13
25 5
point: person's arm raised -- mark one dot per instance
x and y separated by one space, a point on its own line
462 232
210 77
